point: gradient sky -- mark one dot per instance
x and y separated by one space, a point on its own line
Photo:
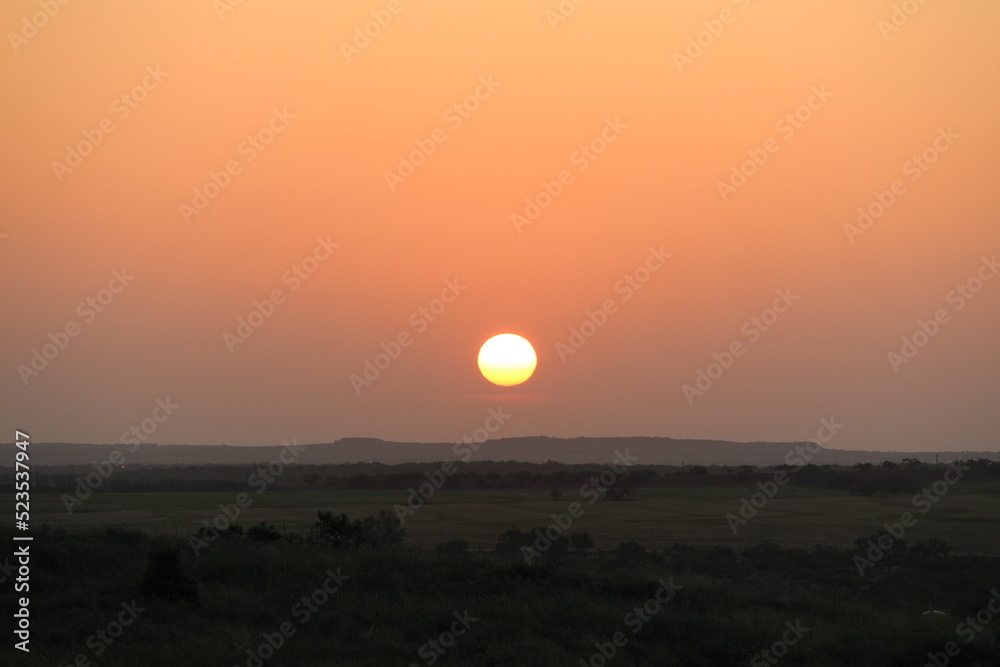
200 78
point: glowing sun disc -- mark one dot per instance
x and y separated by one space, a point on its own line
507 359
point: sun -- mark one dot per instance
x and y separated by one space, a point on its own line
507 359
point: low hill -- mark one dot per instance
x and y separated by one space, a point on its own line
537 449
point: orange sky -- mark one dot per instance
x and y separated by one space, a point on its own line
308 125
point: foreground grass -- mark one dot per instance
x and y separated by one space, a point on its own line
729 607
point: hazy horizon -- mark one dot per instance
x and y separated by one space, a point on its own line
499 440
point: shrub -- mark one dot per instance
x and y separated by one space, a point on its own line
614 493
336 531
581 541
511 540
884 542
165 577
383 530
263 532
931 548
231 532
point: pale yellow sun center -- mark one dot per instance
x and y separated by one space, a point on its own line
507 360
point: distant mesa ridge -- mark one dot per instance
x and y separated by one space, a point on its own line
650 450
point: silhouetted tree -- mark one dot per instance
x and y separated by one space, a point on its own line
382 530
336 531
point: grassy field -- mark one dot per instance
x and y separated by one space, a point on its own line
966 517
219 605
702 607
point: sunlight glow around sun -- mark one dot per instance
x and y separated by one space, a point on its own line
507 359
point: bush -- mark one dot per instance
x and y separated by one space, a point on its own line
263 532
931 548
614 493
884 542
339 532
336 531
208 533
581 541
165 578
383 530
511 540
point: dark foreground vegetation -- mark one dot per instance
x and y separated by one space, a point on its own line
352 593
